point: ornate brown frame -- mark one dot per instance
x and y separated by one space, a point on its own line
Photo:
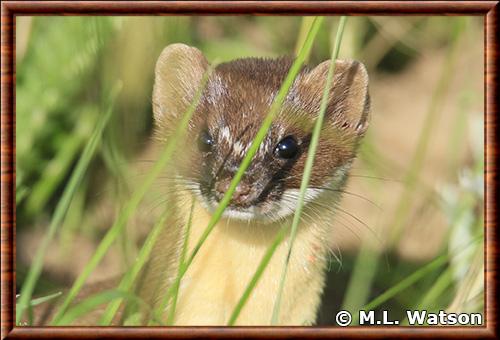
11 9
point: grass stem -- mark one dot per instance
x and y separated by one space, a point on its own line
171 313
127 281
261 134
258 273
411 178
62 208
308 166
132 204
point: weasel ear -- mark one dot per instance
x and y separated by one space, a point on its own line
178 74
349 102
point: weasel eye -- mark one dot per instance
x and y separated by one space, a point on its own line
205 141
287 148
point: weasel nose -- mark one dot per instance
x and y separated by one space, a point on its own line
240 195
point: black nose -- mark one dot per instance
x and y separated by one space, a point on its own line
240 195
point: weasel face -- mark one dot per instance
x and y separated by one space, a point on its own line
225 127
234 104
263 192
236 101
269 188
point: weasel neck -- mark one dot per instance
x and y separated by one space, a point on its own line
228 259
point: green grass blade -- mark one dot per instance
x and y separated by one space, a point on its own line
62 208
129 278
258 273
91 303
311 153
416 276
407 282
43 299
21 193
369 259
268 255
429 124
266 124
171 313
365 268
305 27
438 288
132 204
58 166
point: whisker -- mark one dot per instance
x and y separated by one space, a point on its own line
349 193
346 226
319 215
338 258
377 178
336 208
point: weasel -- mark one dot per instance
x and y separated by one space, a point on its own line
233 104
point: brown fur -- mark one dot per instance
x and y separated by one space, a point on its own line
234 103
238 96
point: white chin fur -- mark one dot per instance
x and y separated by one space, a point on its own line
270 212
274 211
244 215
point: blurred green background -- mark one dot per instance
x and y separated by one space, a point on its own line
419 171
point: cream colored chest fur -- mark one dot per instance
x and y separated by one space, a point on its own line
225 264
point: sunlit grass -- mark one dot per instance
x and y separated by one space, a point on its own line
311 153
51 138
90 303
62 208
367 262
261 134
182 259
417 275
131 205
128 279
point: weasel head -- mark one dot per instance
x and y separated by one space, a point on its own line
234 103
